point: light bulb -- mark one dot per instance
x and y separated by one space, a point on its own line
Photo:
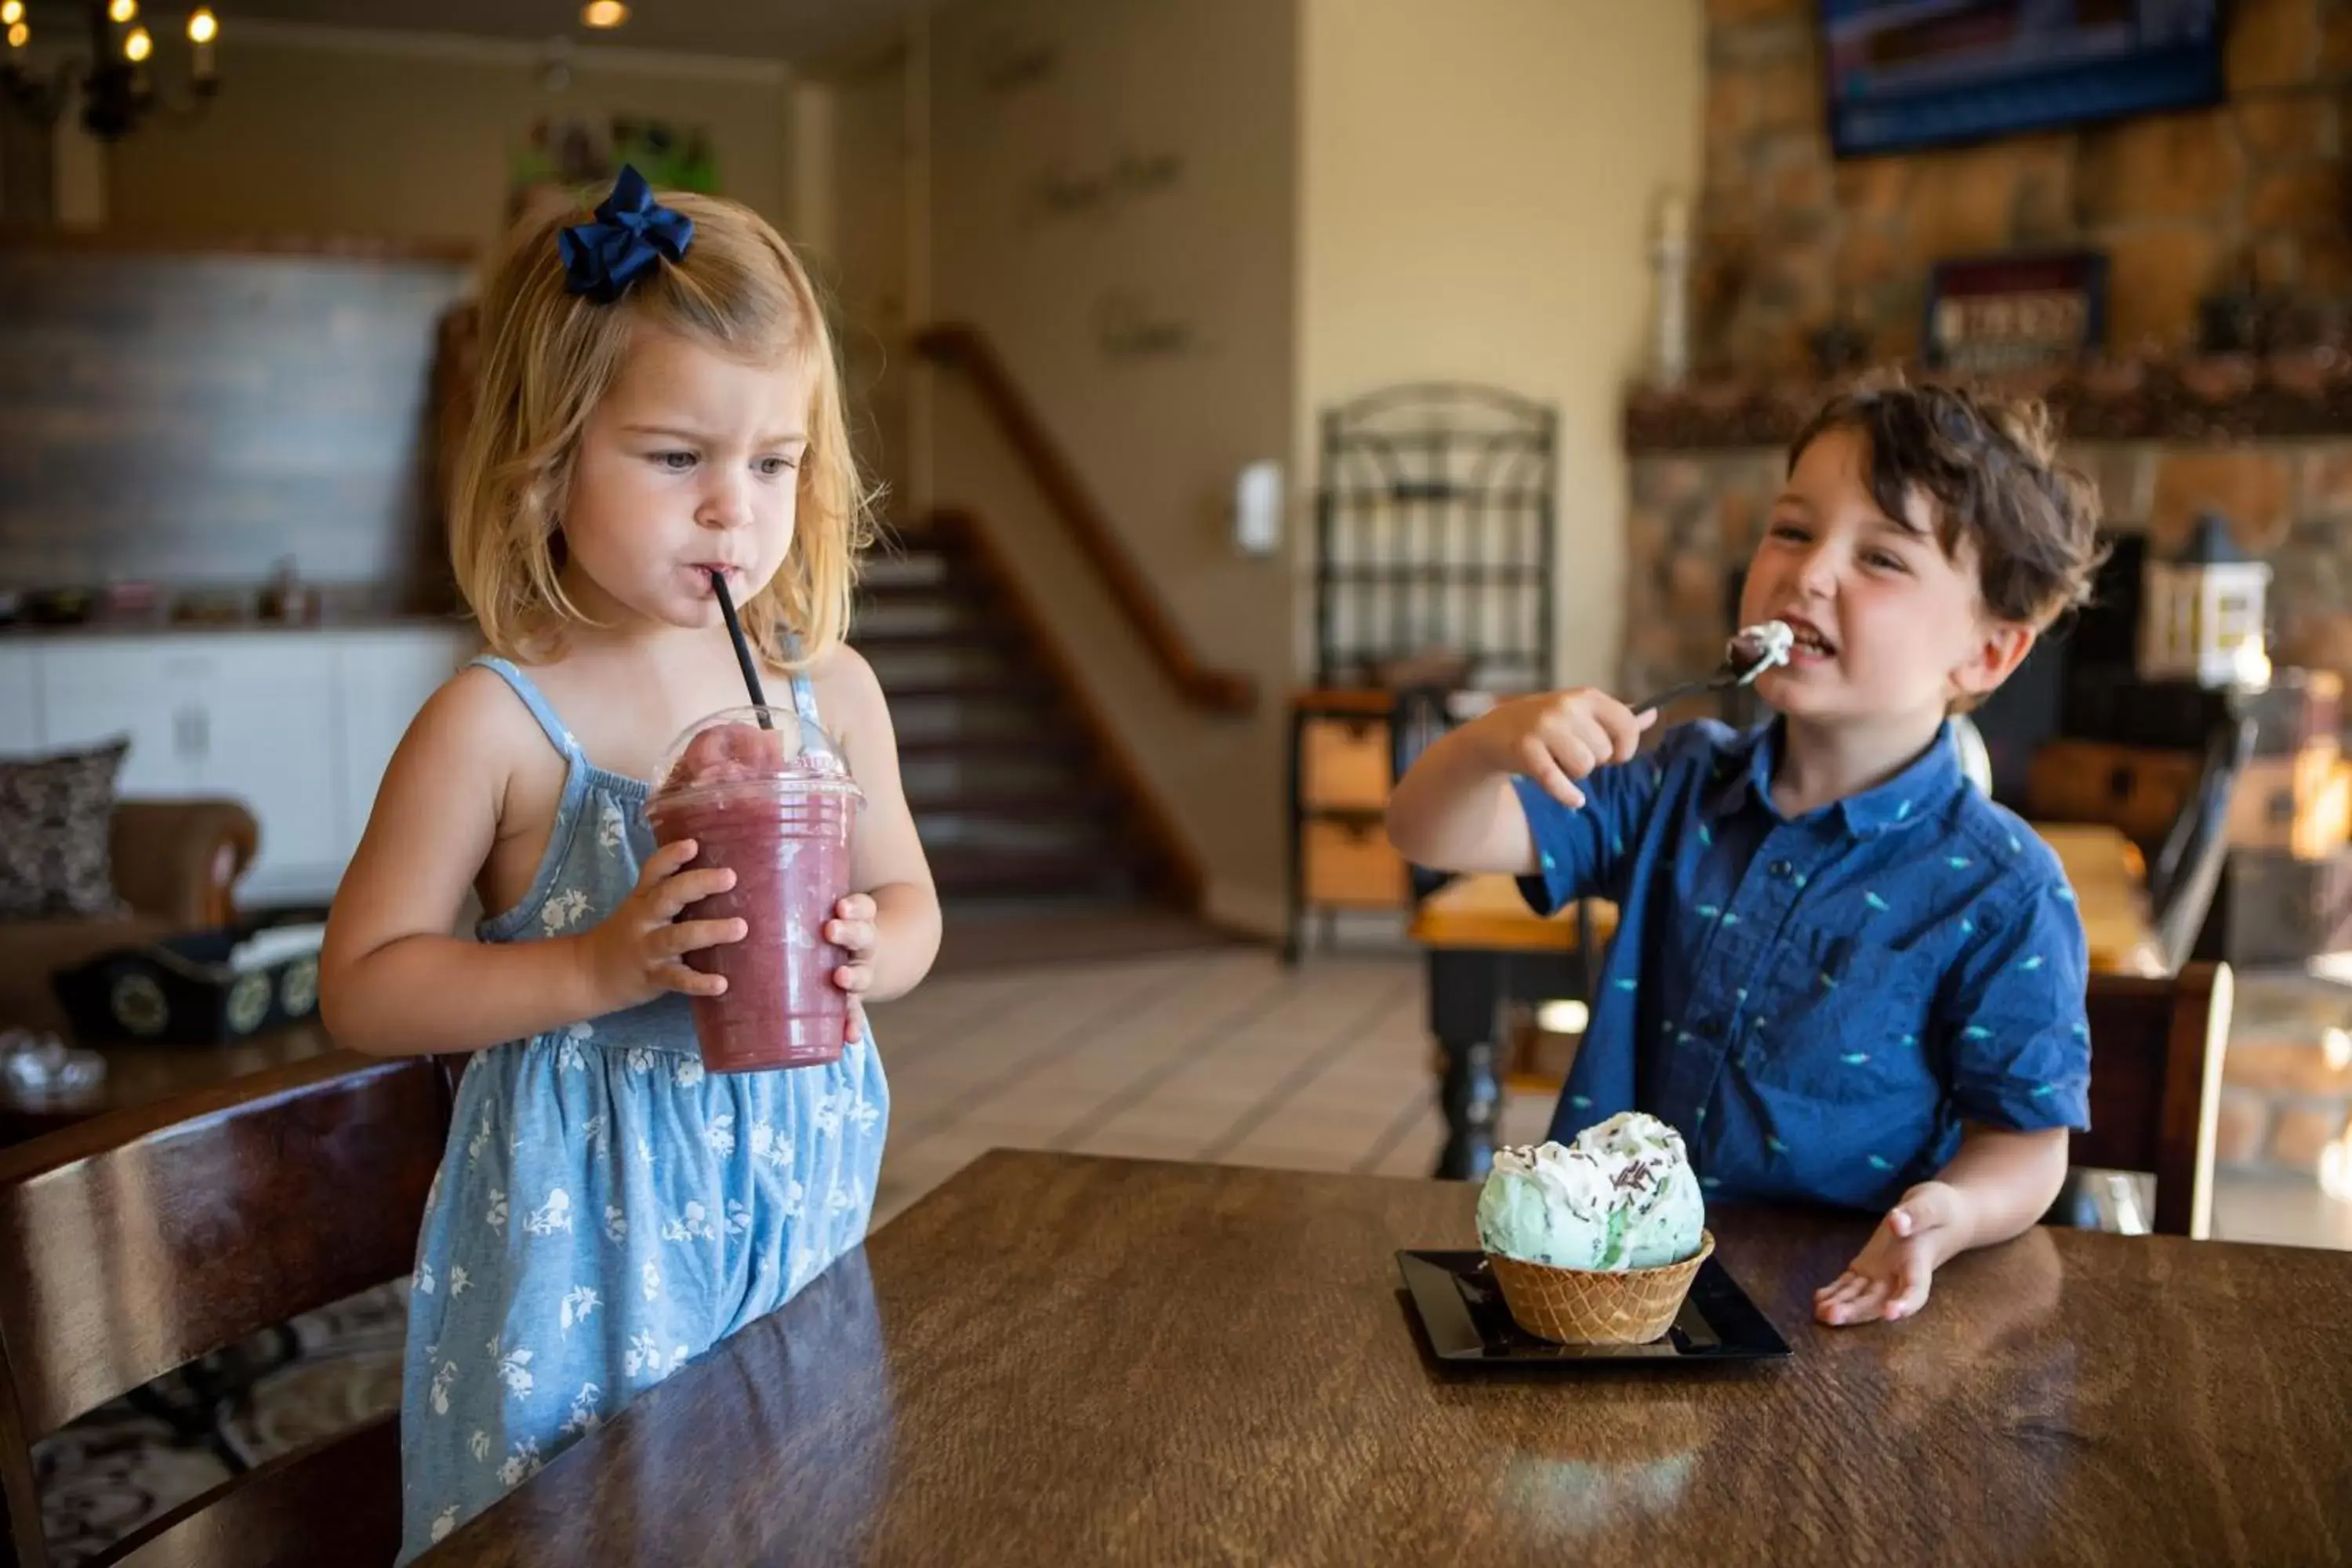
203 26
604 13
138 46
17 33
122 10
11 12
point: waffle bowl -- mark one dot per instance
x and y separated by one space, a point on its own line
1596 1306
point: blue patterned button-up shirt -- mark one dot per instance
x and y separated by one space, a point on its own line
1817 1005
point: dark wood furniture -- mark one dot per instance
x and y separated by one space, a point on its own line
140 1241
2156 1047
1228 1373
139 1076
176 868
1343 766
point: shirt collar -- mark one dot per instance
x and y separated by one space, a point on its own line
1743 772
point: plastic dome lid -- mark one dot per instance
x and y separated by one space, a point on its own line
753 745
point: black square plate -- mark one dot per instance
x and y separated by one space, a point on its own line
1462 1309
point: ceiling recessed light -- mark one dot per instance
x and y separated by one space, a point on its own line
603 13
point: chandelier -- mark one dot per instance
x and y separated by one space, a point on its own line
117 84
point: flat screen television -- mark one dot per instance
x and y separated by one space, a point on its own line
1920 73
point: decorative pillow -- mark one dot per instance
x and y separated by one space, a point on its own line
57 816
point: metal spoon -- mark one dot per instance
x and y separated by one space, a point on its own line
1751 651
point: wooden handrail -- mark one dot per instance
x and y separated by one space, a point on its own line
1187 878
962 347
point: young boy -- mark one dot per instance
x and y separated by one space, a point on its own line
1843 972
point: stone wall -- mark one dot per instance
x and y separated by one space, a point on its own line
2179 202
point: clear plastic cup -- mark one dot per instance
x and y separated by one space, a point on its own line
775 805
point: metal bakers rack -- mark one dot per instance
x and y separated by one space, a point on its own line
1434 523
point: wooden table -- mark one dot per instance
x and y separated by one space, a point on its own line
1055 1359
140 1074
1487 947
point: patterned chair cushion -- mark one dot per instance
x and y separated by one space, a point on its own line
57 814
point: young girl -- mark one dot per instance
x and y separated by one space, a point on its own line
658 401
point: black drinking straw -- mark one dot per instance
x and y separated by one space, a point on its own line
743 650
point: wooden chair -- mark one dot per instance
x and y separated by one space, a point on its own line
2156 1044
138 1241
2188 864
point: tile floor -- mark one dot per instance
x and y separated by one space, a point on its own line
1220 1056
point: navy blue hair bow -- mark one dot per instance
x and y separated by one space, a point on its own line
630 233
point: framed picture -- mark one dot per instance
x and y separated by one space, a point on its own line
1996 314
1899 74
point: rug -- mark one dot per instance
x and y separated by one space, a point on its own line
109 1472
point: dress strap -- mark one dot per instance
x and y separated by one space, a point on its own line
534 699
803 691
805 699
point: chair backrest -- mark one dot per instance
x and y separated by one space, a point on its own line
1976 760
2156 1044
2189 865
137 1241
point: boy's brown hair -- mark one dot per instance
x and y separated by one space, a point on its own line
1990 469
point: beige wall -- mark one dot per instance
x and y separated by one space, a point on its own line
1144 178
1476 204
855 227
364 133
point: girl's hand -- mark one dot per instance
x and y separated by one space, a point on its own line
852 929
638 951
1889 1276
1560 737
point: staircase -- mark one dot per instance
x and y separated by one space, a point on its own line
1019 809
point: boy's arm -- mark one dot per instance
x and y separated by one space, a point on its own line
1474 800
1452 811
2003 1182
2018 1041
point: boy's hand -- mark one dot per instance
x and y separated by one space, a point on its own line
637 951
1888 1277
1560 737
852 929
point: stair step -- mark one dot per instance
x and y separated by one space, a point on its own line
919 591
964 870
970 688
1018 805
972 744
951 636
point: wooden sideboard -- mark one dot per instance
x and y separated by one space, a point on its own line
1343 766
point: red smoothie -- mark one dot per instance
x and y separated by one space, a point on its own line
777 809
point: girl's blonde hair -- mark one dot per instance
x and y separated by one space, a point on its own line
548 358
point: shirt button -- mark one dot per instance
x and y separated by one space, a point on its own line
1781 868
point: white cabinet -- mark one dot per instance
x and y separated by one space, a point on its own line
148 689
266 734
20 702
382 679
297 724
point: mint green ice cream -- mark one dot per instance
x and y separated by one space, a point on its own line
1621 1196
